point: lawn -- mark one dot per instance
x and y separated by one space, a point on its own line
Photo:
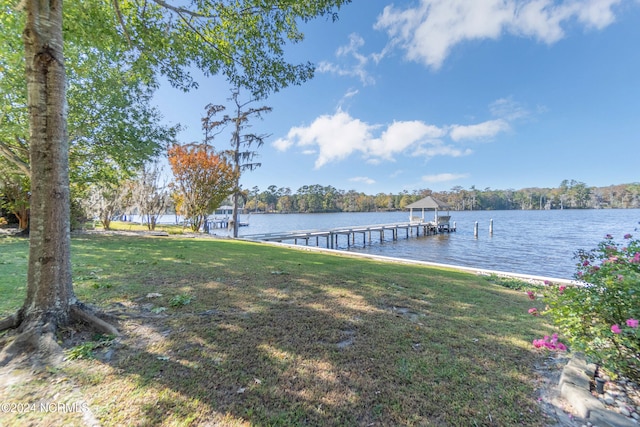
223 332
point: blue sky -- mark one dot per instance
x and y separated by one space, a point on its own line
501 94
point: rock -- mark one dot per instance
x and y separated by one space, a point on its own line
624 411
622 400
609 400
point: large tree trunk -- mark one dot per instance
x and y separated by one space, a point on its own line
50 299
49 288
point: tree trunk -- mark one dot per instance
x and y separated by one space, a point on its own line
234 215
50 299
23 218
49 288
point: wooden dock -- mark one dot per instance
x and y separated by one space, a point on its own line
222 223
380 231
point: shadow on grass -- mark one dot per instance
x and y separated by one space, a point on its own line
281 337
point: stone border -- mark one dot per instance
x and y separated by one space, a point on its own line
574 388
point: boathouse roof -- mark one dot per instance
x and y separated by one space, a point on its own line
428 202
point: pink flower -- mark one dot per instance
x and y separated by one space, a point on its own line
608 236
636 258
616 329
533 311
561 289
585 263
632 323
628 236
549 344
620 277
546 282
531 295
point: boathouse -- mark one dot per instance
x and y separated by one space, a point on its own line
430 203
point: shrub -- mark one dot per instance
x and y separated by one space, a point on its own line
599 315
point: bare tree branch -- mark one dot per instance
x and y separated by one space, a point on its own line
181 10
120 18
9 153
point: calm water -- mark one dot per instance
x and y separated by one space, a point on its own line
541 243
530 242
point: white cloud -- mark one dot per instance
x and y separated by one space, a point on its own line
338 136
485 130
335 137
358 61
399 136
429 30
444 177
440 149
351 94
283 144
363 179
508 109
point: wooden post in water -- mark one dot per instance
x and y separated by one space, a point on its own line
475 229
491 227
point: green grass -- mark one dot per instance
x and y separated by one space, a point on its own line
235 333
133 226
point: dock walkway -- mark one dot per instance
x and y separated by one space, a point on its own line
331 237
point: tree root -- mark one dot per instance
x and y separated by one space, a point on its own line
10 322
36 338
80 313
37 342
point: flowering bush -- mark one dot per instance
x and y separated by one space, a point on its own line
599 315
550 343
546 342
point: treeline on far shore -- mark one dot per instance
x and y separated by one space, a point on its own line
570 194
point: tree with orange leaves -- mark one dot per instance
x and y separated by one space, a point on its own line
203 179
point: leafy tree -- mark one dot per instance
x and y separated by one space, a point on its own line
203 179
107 200
149 194
15 188
111 126
243 40
285 201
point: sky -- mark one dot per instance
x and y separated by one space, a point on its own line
438 94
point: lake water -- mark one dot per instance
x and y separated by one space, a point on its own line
541 243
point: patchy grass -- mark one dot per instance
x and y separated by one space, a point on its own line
222 332
13 272
135 226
